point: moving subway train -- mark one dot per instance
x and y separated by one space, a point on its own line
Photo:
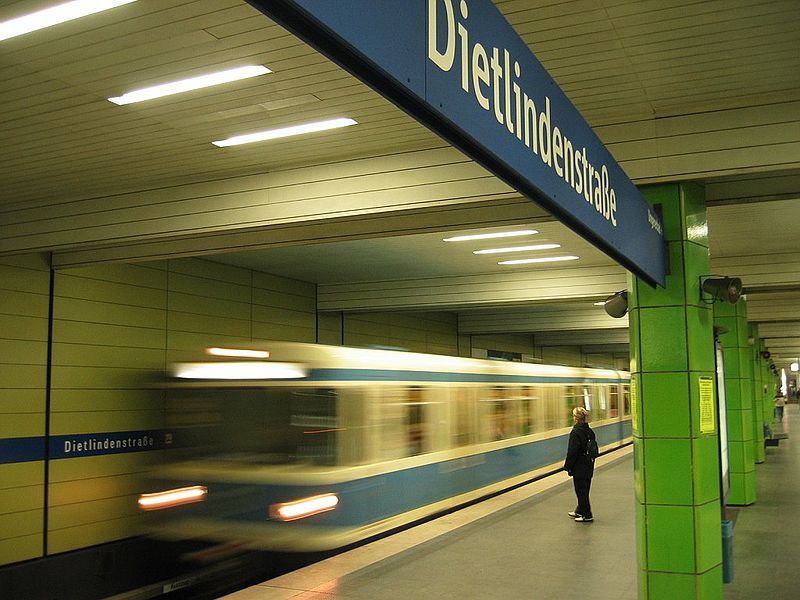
300 447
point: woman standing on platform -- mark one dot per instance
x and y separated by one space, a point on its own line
579 465
779 404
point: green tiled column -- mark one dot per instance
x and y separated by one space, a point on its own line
739 400
758 404
676 458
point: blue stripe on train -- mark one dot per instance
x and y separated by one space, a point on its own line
395 375
371 499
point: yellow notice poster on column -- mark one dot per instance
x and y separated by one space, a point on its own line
634 406
707 420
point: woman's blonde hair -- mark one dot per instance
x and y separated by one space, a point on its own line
581 414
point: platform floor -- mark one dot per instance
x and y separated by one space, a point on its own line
522 545
766 535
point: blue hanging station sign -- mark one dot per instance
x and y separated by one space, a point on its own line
459 67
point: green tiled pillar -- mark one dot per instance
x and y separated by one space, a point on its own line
676 458
739 400
758 404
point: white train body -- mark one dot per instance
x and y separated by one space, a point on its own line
317 447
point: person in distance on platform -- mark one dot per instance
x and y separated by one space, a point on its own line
780 402
579 465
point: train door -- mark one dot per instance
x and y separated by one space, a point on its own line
601 408
392 421
437 415
463 417
354 442
536 396
416 422
626 399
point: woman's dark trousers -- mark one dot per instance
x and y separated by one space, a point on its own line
582 486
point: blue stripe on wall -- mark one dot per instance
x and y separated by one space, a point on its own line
17 450
27 449
95 444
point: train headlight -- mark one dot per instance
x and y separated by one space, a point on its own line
170 498
305 507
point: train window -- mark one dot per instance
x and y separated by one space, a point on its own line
189 417
405 423
255 425
499 420
512 426
613 401
416 427
626 399
573 396
489 409
195 410
499 414
600 395
525 411
314 420
534 416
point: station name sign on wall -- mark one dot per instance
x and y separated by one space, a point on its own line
460 68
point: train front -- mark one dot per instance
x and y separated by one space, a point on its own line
248 441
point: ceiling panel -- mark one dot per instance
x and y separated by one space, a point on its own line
612 58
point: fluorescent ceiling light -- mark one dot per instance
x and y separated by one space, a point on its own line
543 259
487 236
55 15
601 303
282 132
518 249
193 83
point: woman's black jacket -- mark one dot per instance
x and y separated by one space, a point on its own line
578 463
